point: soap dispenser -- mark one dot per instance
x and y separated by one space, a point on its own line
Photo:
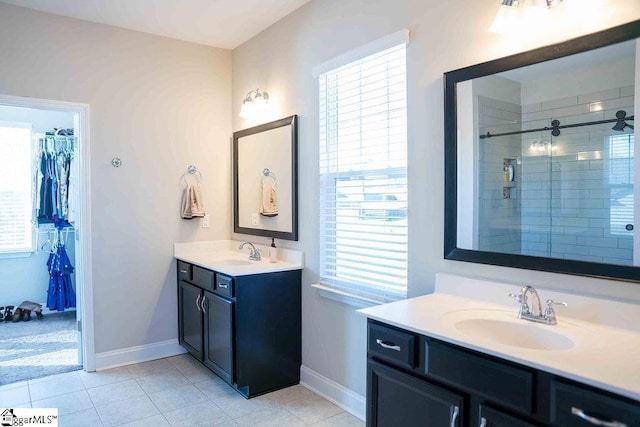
273 251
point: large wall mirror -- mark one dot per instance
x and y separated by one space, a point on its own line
540 171
265 180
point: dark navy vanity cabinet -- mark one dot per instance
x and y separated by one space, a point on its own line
246 329
415 380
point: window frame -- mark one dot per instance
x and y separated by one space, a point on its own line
328 180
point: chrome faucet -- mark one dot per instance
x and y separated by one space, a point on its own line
254 254
548 317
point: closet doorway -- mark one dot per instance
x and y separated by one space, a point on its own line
45 239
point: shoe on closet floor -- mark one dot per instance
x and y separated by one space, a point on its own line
30 306
26 315
8 316
17 316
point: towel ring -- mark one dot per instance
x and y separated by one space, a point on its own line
192 170
267 174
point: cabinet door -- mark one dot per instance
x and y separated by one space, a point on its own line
190 318
397 399
218 335
490 417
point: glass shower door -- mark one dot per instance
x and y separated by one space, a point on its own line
592 195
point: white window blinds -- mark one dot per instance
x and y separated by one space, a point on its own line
16 229
363 175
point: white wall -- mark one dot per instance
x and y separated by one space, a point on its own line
445 35
159 105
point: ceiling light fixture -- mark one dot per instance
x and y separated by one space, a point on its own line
254 102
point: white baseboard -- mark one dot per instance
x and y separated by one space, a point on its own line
137 354
336 393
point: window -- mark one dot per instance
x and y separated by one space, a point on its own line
621 184
363 175
16 229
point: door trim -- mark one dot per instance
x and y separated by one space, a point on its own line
83 232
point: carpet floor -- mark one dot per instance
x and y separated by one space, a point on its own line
38 348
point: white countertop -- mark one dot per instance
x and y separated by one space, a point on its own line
224 257
606 354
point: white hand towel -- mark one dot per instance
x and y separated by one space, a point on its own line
269 201
197 204
185 211
192 203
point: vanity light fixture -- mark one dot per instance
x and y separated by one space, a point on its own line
255 101
543 146
506 16
512 12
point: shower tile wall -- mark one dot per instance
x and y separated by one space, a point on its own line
499 218
573 168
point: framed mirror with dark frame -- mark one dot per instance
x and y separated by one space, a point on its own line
265 179
539 166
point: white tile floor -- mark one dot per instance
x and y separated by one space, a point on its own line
177 391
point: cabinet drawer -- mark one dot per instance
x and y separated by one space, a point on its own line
572 405
224 286
203 278
392 345
499 381
184 270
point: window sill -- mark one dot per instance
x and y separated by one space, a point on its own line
8 255
346 297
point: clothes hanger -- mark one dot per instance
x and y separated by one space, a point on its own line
53 244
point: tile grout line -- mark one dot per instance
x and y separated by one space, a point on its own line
29 392
159 410
152 402
95 408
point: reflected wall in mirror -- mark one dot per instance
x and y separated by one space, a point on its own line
265 180
539 158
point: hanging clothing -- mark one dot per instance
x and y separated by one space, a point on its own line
60 294
54 156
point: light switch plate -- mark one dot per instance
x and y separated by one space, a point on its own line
255 219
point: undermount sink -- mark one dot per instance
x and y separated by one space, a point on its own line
503 327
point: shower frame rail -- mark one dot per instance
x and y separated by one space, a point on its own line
555 128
